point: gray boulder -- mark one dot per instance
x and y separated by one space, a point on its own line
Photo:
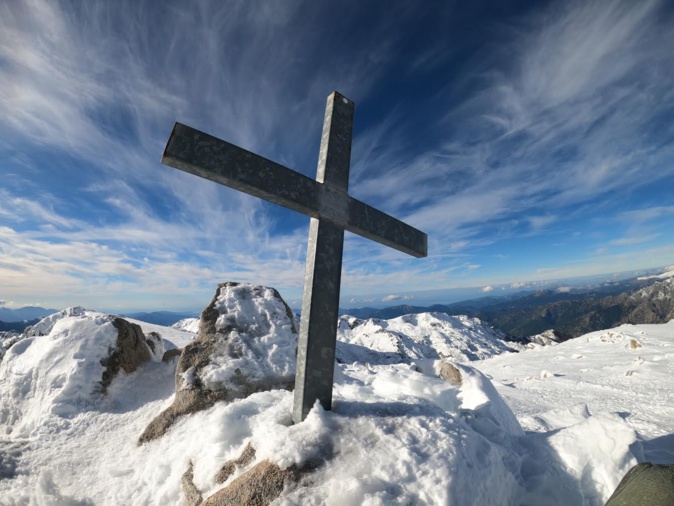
247 343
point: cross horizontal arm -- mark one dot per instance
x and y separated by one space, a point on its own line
216 160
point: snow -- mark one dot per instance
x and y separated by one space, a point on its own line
261 340
667 274
188 325
417 337
549 425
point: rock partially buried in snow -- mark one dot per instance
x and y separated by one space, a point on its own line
247 343
130 351
65 365
448 372
260 485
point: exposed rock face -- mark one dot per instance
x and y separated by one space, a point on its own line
130 351
583 313
247 343
171 354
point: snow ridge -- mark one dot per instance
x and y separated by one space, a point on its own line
187 325
421 336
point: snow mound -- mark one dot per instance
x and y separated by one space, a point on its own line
54 369
187 325
416 337
45 326
58 369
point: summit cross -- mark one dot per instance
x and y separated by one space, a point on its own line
332 211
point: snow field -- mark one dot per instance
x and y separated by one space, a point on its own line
397 433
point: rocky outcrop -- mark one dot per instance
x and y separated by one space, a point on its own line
247 343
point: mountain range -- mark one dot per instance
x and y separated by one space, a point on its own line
24 313
569 312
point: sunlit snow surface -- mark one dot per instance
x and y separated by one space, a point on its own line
592 407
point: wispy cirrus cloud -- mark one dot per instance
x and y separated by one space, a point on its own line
561 115
556 119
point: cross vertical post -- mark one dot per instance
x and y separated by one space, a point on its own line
323 272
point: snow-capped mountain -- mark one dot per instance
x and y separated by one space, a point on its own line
416 337
667 273
398 433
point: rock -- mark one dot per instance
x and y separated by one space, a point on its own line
450 373
156 345
246 457
170 354
247 343
192 494
130 351
259 486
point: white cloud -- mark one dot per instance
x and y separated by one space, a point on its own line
518 285
390 298
488 289
640 216
540 222
632 240
557 112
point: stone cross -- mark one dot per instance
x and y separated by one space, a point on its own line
331 210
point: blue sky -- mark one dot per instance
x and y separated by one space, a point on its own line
531 141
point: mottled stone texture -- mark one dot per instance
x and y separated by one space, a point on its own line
257 487
211 341
131 350
645 484
450 373
192 494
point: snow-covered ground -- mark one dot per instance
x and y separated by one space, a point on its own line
555 425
